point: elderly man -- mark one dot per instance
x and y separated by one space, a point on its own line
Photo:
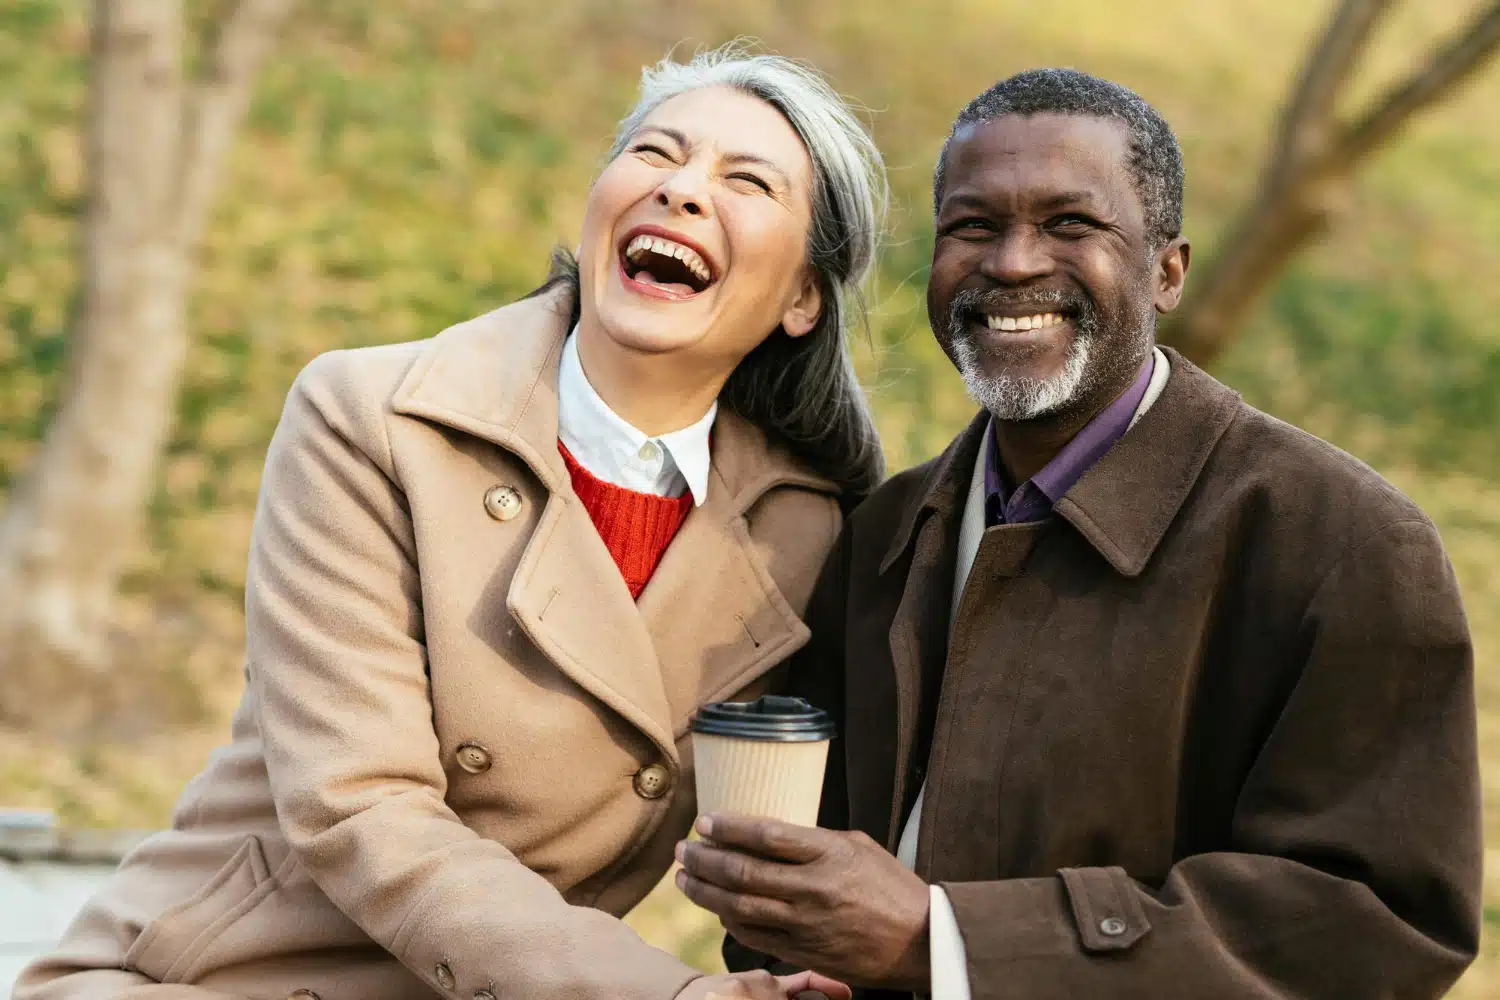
1151 695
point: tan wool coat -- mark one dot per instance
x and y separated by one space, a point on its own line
462 749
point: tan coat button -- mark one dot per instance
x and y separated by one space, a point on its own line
502 503
444 976
652 781
303 995
484 995
473 758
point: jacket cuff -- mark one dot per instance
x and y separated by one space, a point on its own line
1078 911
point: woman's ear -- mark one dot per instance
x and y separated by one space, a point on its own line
802 315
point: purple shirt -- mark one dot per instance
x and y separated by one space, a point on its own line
1033 499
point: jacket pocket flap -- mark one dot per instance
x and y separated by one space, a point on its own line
171 941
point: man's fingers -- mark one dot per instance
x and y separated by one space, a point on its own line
734 907
742 873
767 837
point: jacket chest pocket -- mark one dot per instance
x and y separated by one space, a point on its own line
170 948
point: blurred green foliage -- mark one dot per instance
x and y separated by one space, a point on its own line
409 164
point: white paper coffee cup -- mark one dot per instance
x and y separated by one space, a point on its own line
762 758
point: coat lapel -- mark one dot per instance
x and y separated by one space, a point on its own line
712 577
919 630
495 377
711 615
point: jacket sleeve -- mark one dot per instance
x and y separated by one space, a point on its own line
815 672
336 660
1353 868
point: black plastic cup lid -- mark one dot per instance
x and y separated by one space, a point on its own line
771 717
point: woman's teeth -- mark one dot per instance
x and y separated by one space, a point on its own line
640 249
1039 322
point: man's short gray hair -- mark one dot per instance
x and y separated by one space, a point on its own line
803 390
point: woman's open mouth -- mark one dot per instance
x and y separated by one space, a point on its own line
662 266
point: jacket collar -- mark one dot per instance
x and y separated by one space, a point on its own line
495 377
1125 503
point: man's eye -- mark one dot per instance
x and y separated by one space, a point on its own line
970 229
1071 225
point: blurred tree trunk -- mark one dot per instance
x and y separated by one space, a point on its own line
156 148
1312 165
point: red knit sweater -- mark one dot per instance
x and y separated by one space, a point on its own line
636 527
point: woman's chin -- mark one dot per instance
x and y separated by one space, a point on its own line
651 333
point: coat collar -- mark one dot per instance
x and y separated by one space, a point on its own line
495 377
1125 503
652 661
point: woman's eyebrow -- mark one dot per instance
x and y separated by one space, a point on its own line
670 133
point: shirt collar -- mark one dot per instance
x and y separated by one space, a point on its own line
613 450
1034 499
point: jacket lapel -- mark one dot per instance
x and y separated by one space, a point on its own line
495 377
919 630
711 614
712 577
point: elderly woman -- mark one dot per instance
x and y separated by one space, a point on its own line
493 574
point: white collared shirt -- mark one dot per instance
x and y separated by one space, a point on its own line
611 449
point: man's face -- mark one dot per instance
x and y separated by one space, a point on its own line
1044 286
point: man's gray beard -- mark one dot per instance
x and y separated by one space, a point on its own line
1016 398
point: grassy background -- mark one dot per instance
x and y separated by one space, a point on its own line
409 164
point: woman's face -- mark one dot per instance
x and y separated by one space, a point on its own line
695 237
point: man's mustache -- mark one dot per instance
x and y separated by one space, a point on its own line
970 301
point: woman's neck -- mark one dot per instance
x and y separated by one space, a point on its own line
656 394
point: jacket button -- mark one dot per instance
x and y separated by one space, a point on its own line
444 976
303 995
502 503
1111 927
484 995
473 758
652 781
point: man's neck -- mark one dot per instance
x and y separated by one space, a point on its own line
1027 446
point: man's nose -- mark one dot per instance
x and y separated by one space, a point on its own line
1018 256
685 193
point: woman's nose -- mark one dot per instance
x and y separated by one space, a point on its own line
684 194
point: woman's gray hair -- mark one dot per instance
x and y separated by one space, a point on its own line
801 391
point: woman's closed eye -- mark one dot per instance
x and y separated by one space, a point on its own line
651 150
754 179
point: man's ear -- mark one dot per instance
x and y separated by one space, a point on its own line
1171 274
802 315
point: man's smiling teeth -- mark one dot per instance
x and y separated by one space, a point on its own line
638 249
1039 322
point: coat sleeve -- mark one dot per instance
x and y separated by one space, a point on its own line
337 662
1353 867
815 672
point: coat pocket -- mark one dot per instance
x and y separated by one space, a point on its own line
170 944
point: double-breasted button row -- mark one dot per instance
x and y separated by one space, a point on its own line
502 502
652 781
473 758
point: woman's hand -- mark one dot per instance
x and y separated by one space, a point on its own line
761 985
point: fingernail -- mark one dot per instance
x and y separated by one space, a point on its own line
680 851
681 880
705 826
